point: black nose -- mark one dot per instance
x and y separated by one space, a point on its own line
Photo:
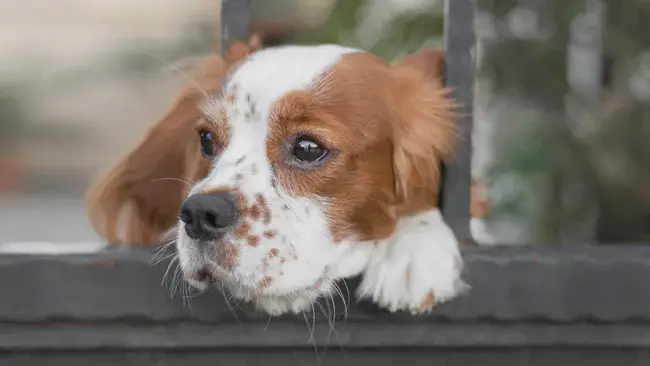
207 215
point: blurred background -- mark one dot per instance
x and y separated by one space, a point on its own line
562 110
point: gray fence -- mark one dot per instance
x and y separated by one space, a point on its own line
529 305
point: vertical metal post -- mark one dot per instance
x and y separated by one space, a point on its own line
235 22
459 46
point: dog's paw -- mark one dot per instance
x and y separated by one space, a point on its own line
416 269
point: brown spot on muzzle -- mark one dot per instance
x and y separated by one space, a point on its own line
254 212
242 230
228 255
253 240
242 203
264 208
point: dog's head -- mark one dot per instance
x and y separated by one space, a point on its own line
138 200
315 152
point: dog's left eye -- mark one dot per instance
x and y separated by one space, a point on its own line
306 150
207 143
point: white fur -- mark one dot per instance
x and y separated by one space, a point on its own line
420 259
307 261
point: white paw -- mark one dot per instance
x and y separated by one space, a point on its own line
417 268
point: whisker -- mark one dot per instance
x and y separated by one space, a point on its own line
330 321
227 301
346 303
177 280
238 301
311 338
169 266
157 261
268 323
177 69
186 183
313 314
186 294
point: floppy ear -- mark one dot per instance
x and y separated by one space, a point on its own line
138 200
424 129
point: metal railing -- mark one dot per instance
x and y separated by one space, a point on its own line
459 47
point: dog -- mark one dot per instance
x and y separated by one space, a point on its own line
285 169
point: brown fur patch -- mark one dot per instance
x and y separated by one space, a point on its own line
387 129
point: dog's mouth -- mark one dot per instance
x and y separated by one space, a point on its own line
205 276
216 276
202 279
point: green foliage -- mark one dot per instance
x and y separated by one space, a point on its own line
404 33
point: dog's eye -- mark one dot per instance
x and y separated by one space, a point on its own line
306 150
207 143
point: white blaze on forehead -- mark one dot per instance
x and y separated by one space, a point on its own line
260 81
269 74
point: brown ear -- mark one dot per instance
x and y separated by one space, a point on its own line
138 200
424 129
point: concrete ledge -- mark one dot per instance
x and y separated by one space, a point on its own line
540 284
529 306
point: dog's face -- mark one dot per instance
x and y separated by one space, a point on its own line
315 153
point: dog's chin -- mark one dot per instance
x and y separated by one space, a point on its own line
271 301
200 286
274 303
289 286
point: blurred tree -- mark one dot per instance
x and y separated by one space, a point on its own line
591 161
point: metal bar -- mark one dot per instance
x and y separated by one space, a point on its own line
556 355
235 22
553 284
281 334
459 47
